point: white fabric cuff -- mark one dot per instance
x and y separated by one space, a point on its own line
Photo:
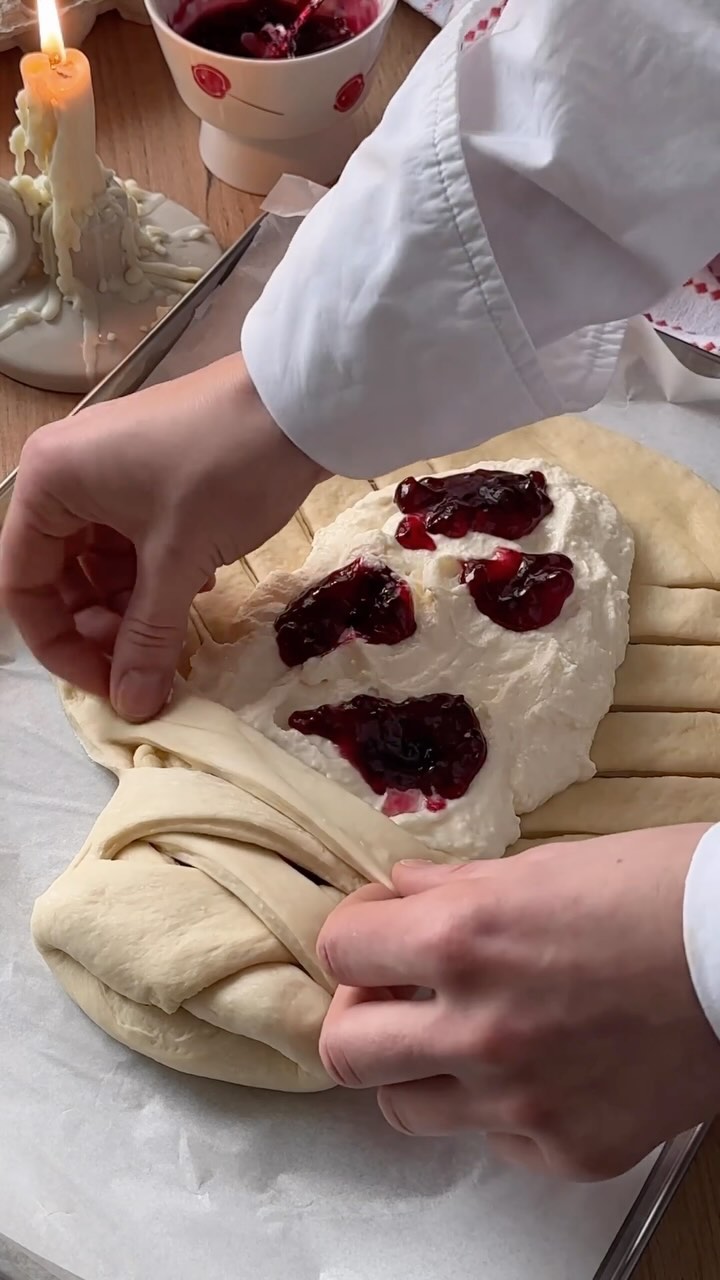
387 333
701 924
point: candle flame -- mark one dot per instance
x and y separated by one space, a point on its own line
51 40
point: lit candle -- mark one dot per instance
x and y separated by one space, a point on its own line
56 110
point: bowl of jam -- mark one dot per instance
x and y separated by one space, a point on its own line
274 83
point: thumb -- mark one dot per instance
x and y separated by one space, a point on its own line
417 877
151 635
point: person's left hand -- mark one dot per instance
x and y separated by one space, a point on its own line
563 1020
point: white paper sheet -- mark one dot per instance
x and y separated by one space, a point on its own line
117 1169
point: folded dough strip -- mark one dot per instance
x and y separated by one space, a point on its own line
190 935
277 1005
188 1043
156 935
291 907
204 826
150 804
214 740
239 790
178 937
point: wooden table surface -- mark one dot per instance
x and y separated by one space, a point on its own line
146 133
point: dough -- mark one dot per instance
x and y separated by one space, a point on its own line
186 925
658 742
604 805
669 677
679 615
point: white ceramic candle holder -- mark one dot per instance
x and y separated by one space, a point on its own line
260 119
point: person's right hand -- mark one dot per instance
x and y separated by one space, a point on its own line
122 514
563 1020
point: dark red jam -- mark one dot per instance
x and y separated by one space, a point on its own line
519 591
432 745
505 504
274 28
360 601
411 533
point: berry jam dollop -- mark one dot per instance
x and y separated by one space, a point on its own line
505 504
433 745
274 28
411 533
360 601
519 591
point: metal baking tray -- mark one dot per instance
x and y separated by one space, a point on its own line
645 1215
706 363
675 1157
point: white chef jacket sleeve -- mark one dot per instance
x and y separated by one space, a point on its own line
701 924
524 193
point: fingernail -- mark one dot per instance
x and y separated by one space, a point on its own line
140 694
415 863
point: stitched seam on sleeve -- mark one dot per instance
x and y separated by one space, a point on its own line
545 409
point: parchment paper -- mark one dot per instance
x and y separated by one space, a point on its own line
113 1168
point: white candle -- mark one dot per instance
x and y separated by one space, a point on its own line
56 110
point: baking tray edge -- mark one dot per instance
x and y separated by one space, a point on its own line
645 1215
696 359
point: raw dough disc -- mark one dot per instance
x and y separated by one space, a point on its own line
214 832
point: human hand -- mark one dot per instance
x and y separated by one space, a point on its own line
563 1023
121 515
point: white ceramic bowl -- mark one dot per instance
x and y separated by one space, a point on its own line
259 118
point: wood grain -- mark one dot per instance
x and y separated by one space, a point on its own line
145 132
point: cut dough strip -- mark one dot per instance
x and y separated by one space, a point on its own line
669 678
287 549
218 614
658 742
604 805
521 845
322 505
674 615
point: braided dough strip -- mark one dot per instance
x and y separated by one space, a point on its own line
185 926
